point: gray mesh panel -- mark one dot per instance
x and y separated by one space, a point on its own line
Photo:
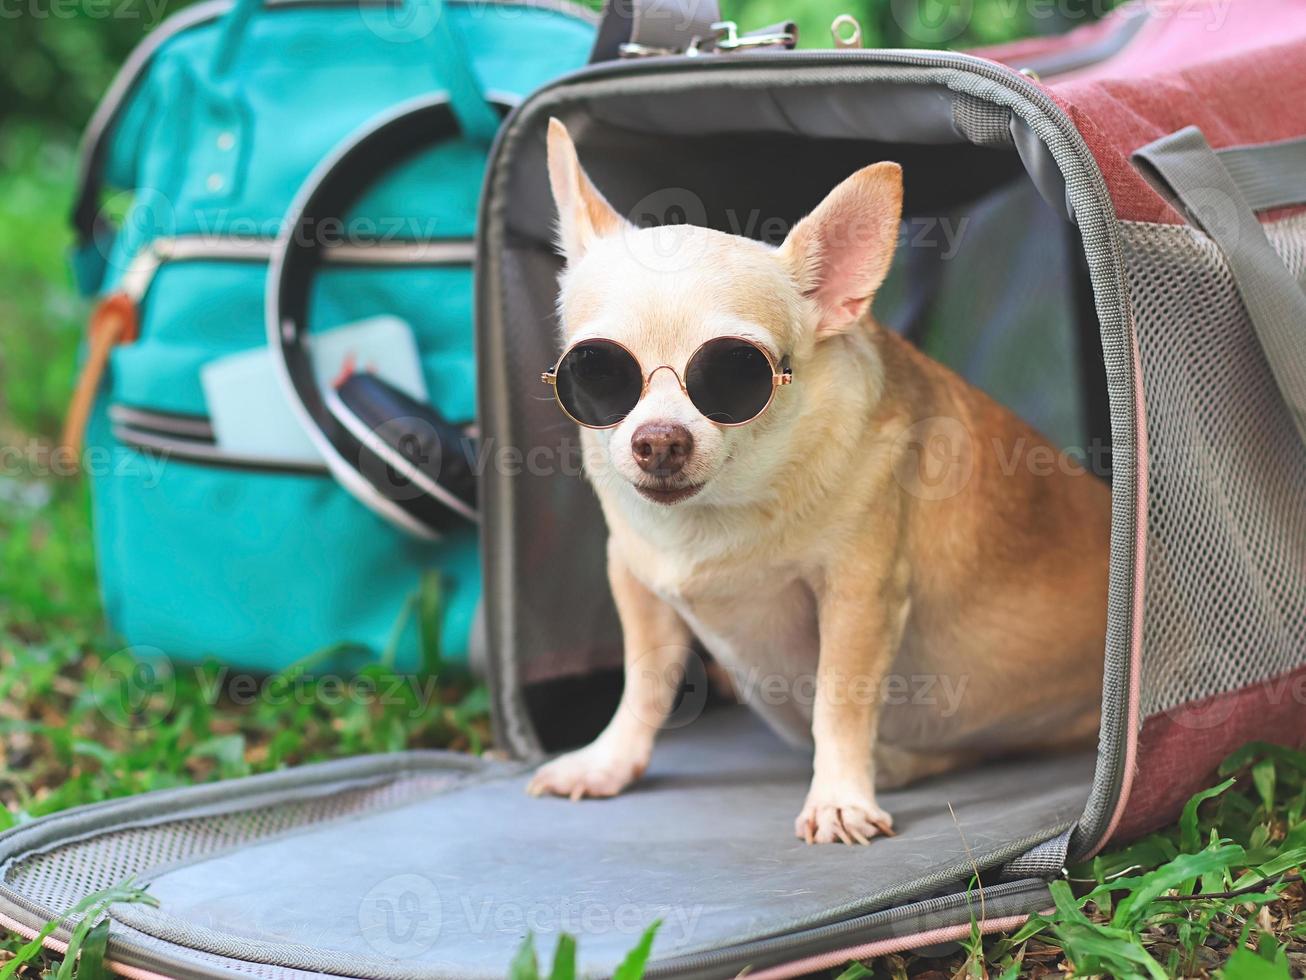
58 878
1226 558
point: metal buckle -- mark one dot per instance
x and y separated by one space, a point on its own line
725 37
729 39
632 50
846 31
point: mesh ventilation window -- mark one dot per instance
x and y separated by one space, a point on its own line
57 879
1226 558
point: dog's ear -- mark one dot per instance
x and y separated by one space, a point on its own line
840 253
583 214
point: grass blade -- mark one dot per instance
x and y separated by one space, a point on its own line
564 959
90 909
1189 835
1144 890
1246 965
84 958
632 967
430 606
90 964
524 965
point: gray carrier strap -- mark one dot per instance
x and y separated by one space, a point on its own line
1270 175
1211 198
1046 861
653 26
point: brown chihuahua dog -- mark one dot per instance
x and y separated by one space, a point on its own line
875 521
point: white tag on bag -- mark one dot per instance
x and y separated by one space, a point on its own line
247 404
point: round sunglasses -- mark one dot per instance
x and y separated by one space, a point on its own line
730 380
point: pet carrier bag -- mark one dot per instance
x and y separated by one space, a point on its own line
1129 275
218 527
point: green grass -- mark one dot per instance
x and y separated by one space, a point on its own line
525 964
67 736
1219 894
1161 907
90 935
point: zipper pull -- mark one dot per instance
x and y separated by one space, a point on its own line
135 282
115 320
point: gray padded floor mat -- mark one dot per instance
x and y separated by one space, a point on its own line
447 885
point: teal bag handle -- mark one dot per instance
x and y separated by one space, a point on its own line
430 23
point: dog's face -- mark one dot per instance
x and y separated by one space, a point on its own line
663 292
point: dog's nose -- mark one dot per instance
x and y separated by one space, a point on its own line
662 448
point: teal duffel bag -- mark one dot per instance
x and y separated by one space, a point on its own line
220 529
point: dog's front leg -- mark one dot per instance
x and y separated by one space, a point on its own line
861 621
656 642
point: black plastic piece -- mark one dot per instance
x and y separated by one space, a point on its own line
416 431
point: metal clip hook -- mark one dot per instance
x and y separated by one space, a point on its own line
842 39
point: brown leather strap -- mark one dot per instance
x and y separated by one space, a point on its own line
114 321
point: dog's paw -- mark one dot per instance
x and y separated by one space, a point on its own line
851 817
591 771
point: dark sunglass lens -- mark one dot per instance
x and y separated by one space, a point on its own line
729 380
599 383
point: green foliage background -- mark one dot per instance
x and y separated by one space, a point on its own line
1218 895
57 56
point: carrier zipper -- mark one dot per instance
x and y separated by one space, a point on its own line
196 428
143 267
1113 289
116 318
208 453
736 958
190 438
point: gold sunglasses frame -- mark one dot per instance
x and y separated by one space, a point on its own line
781 374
